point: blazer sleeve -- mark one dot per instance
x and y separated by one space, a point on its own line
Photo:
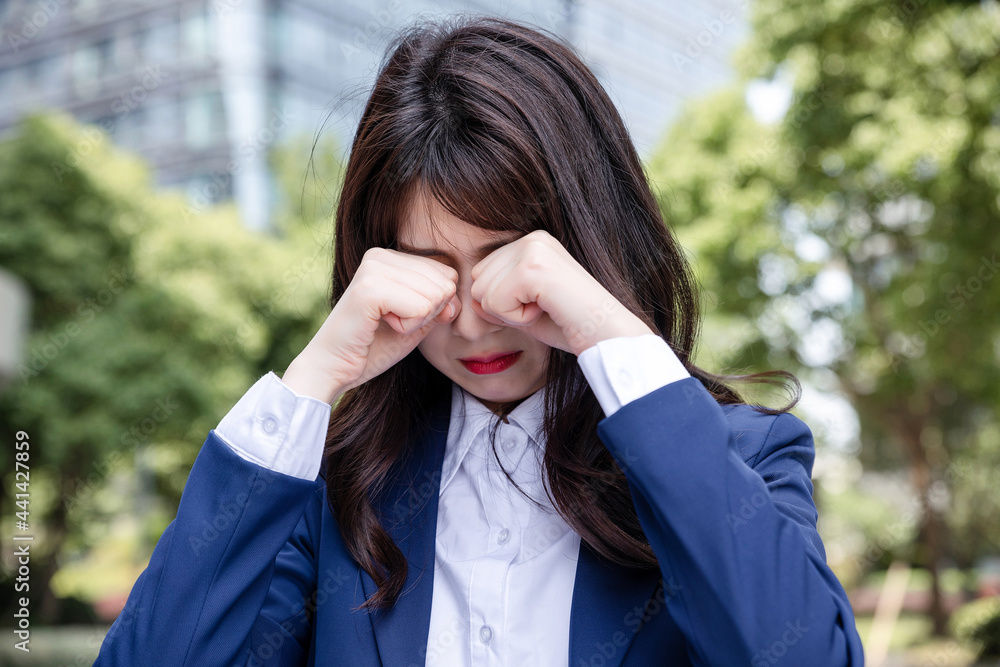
239 540
282 634
747 573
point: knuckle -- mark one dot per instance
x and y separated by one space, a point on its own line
538 241
539 236
364 286
535 257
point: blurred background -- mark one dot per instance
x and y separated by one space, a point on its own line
167 175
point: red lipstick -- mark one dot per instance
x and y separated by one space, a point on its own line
493 363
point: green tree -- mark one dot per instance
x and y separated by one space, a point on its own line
149 320
855 241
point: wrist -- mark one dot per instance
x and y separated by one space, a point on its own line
633 328
307 376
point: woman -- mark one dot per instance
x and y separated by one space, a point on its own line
502 272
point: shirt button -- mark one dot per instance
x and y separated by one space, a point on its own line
269 425
503 536
625 378
486 634
509 443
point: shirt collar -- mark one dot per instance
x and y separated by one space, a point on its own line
469 416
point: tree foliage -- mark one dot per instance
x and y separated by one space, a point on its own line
149 320
856 240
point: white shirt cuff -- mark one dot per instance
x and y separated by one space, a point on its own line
276 428
620 370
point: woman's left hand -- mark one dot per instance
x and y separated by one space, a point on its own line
534 283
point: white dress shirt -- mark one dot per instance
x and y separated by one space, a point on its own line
504 568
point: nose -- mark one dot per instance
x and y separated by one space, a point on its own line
469 325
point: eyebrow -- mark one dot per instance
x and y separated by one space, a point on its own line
435 252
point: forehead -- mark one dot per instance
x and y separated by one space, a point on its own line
427 224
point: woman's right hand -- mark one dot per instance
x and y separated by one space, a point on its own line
392 302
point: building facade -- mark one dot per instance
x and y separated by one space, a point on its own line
202 88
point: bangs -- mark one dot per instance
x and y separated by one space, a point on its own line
480 181
489 129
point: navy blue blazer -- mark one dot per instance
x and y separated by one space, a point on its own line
253 570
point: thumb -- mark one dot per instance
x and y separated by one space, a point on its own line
450 311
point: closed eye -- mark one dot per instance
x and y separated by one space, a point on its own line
481 252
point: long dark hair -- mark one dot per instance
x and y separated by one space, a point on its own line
507 128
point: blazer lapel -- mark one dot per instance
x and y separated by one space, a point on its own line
608 600
608 609
409 513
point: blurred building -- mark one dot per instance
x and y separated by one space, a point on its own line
202 88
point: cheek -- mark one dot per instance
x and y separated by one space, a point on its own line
433 344
541 351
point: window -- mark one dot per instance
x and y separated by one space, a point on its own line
203 121
105 57
86 69
272 26
203 190
8 84
141 44
130 130
198 37
308 40
161 44
161 121
44 74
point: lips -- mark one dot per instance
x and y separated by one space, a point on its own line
497 363
488 359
